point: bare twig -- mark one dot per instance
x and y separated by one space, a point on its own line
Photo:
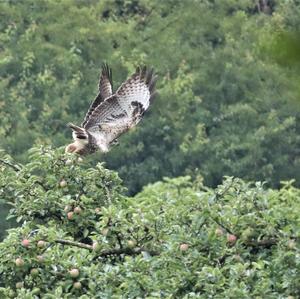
218 195
76 244
221 225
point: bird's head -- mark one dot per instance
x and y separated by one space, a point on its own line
78 147
71 148
81 141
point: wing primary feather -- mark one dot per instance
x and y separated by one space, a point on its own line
149 76
143 72
105 90
137 71
106 73
153 96
152 83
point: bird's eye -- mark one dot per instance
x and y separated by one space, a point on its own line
81 137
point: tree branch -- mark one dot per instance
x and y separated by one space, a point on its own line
221 225
139 250
73 243
42 185
255 244
127 251
14 167
219 194
105 253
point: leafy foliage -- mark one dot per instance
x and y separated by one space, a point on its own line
176 238
228 105
225 106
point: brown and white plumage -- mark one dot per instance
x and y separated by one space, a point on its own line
112 114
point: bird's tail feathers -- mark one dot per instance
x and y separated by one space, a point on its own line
79 132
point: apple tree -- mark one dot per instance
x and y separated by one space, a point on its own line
81 237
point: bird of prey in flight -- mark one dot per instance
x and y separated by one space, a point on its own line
113 113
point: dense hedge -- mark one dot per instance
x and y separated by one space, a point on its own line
80 237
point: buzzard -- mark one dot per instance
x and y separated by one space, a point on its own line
112 114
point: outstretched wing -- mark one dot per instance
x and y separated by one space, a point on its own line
105 90
125 108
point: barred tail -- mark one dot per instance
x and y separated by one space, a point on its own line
79 132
